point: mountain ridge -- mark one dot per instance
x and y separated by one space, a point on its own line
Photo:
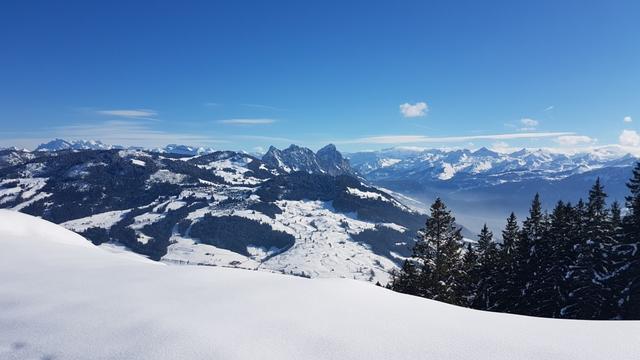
224 208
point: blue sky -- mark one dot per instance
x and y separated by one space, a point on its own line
361 74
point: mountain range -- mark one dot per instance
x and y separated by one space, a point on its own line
60 144
485 186
292 210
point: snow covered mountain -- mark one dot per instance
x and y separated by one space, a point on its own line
327 160
183 150
63 298
224 208
15 156
485 186
59 144
481 167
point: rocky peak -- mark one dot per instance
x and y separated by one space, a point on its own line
332 162
54 145
296 158
484 152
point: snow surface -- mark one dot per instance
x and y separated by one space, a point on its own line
167 176
27 190
233 171
63 298
103 220
366 194
323 246
138 162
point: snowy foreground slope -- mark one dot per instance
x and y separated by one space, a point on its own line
63 298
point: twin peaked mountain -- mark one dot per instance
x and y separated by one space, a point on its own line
327 160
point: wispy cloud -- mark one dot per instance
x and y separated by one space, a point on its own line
131 134
414 110
627 119
528 124
416 139
264 107
548 108
249 121
115 132
130 113
502 147
573 140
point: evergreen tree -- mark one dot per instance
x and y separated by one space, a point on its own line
589 295
469 275
632 219
630 273
438 253
487 269
617 227
618 262
407 279
530 255
555 258
507 288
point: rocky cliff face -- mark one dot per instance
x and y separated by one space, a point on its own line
327 160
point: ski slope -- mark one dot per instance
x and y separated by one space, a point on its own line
63 298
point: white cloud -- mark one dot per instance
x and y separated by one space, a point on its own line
528 124
407 139
629 138
549 108
572 140
130 113
627 119
247 121
416 110
502 147
127 133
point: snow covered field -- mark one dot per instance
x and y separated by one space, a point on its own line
63 298
323 247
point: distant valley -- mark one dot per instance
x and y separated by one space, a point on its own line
485 186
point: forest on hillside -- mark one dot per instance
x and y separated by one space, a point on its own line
579 261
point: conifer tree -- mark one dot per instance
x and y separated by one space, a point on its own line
617 228
555 258
632 219
487 268
619 253
589 295
438 251
630 275
529 255
406 280
470 275
507 288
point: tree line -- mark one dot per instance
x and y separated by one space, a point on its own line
580 261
